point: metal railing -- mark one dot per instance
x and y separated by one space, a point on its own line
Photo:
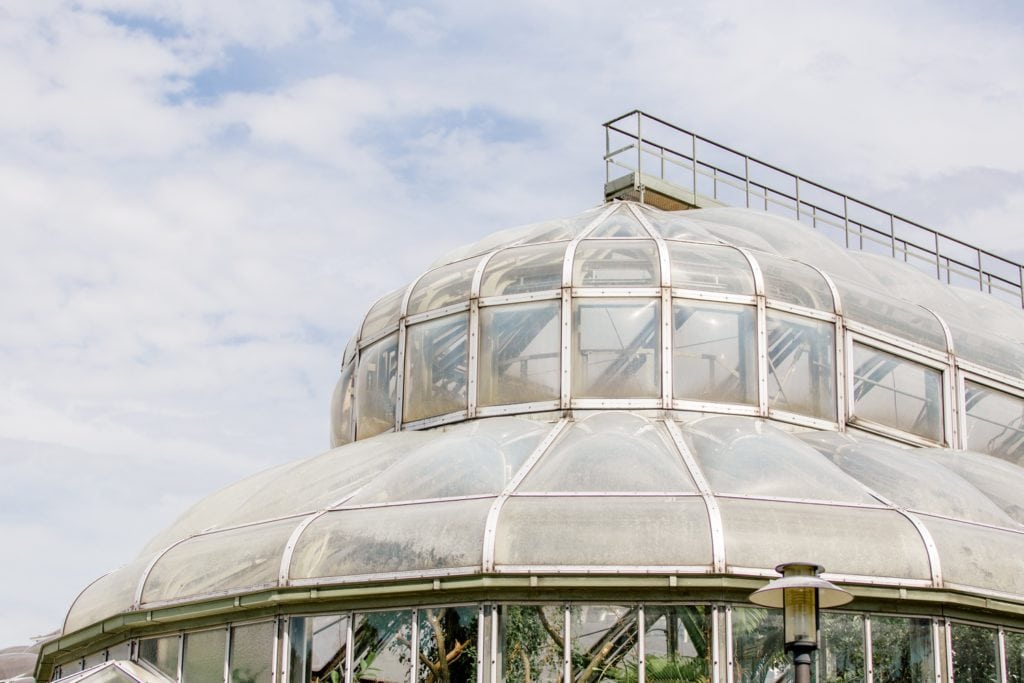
648 147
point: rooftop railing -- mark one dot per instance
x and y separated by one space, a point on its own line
701 172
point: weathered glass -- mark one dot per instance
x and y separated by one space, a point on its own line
975 653
616 350
376 381
436 362
678 643
447 644
383 315
714 353
995 422
795 283
616 263
519 270
381 647
801 365
978 556
443 286
896 392
162 654
107 595
205 653
317 648
252 647
532 643
341 407
901 650
604 643
520 360
622 223
887 313
713 268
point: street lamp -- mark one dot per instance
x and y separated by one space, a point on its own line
800 593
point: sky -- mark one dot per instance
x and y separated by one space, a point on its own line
199 200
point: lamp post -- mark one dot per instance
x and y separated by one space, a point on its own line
800 592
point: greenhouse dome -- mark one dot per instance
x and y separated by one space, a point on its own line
572 450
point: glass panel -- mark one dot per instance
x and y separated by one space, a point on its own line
381 647
603 641
603 531
674 225
846 540
611 452
318 648
614 263
901 650
801 365
231 560
341 408
1014 642
757 646
840 658
107 596
747 456
524 269
710 268
435 382
995 423
252 647
520 357
563 229
448 644
375 388
897 393
393 539
978 556
980 345
622 223
533 641
617 345
999 480
442 287
473 458
891 315
714 353
384 314
975 653
204 656
678 643
794 282
162 654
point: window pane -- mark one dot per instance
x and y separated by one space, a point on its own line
713 353
448 644
533 638
252 649
794 283
901 650
383 314
617 344
890 314
381 647
435 383
841 656
995 423
204 656
757 645
444 286
317 648
677 643
897 393
710 268
519 353
603 642
524 269
375 388
801 365
341 408
1014 657
975 653
614 263
162 653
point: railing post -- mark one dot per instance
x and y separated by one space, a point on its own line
639 144
796 183
746 176
892 233
938 261
693 161
846 219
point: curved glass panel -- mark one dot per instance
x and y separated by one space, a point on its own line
889 314
675 225
402 538
443 286
1001 481
714 352
978 556
603 531
746 456
617 348
979 346
447 644
801 365
341 407
376 381
475 458
565 229
252 646
901 650
794 283
109 595
610 452
710 268
436 367
896 392
223 561
880 543
524 269
905 478
382 647
204 656
622 223
383 315
975 653
615 263
520 359
995 422
350 350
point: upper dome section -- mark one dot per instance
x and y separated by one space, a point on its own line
714 310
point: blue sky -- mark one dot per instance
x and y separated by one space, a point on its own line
199 200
